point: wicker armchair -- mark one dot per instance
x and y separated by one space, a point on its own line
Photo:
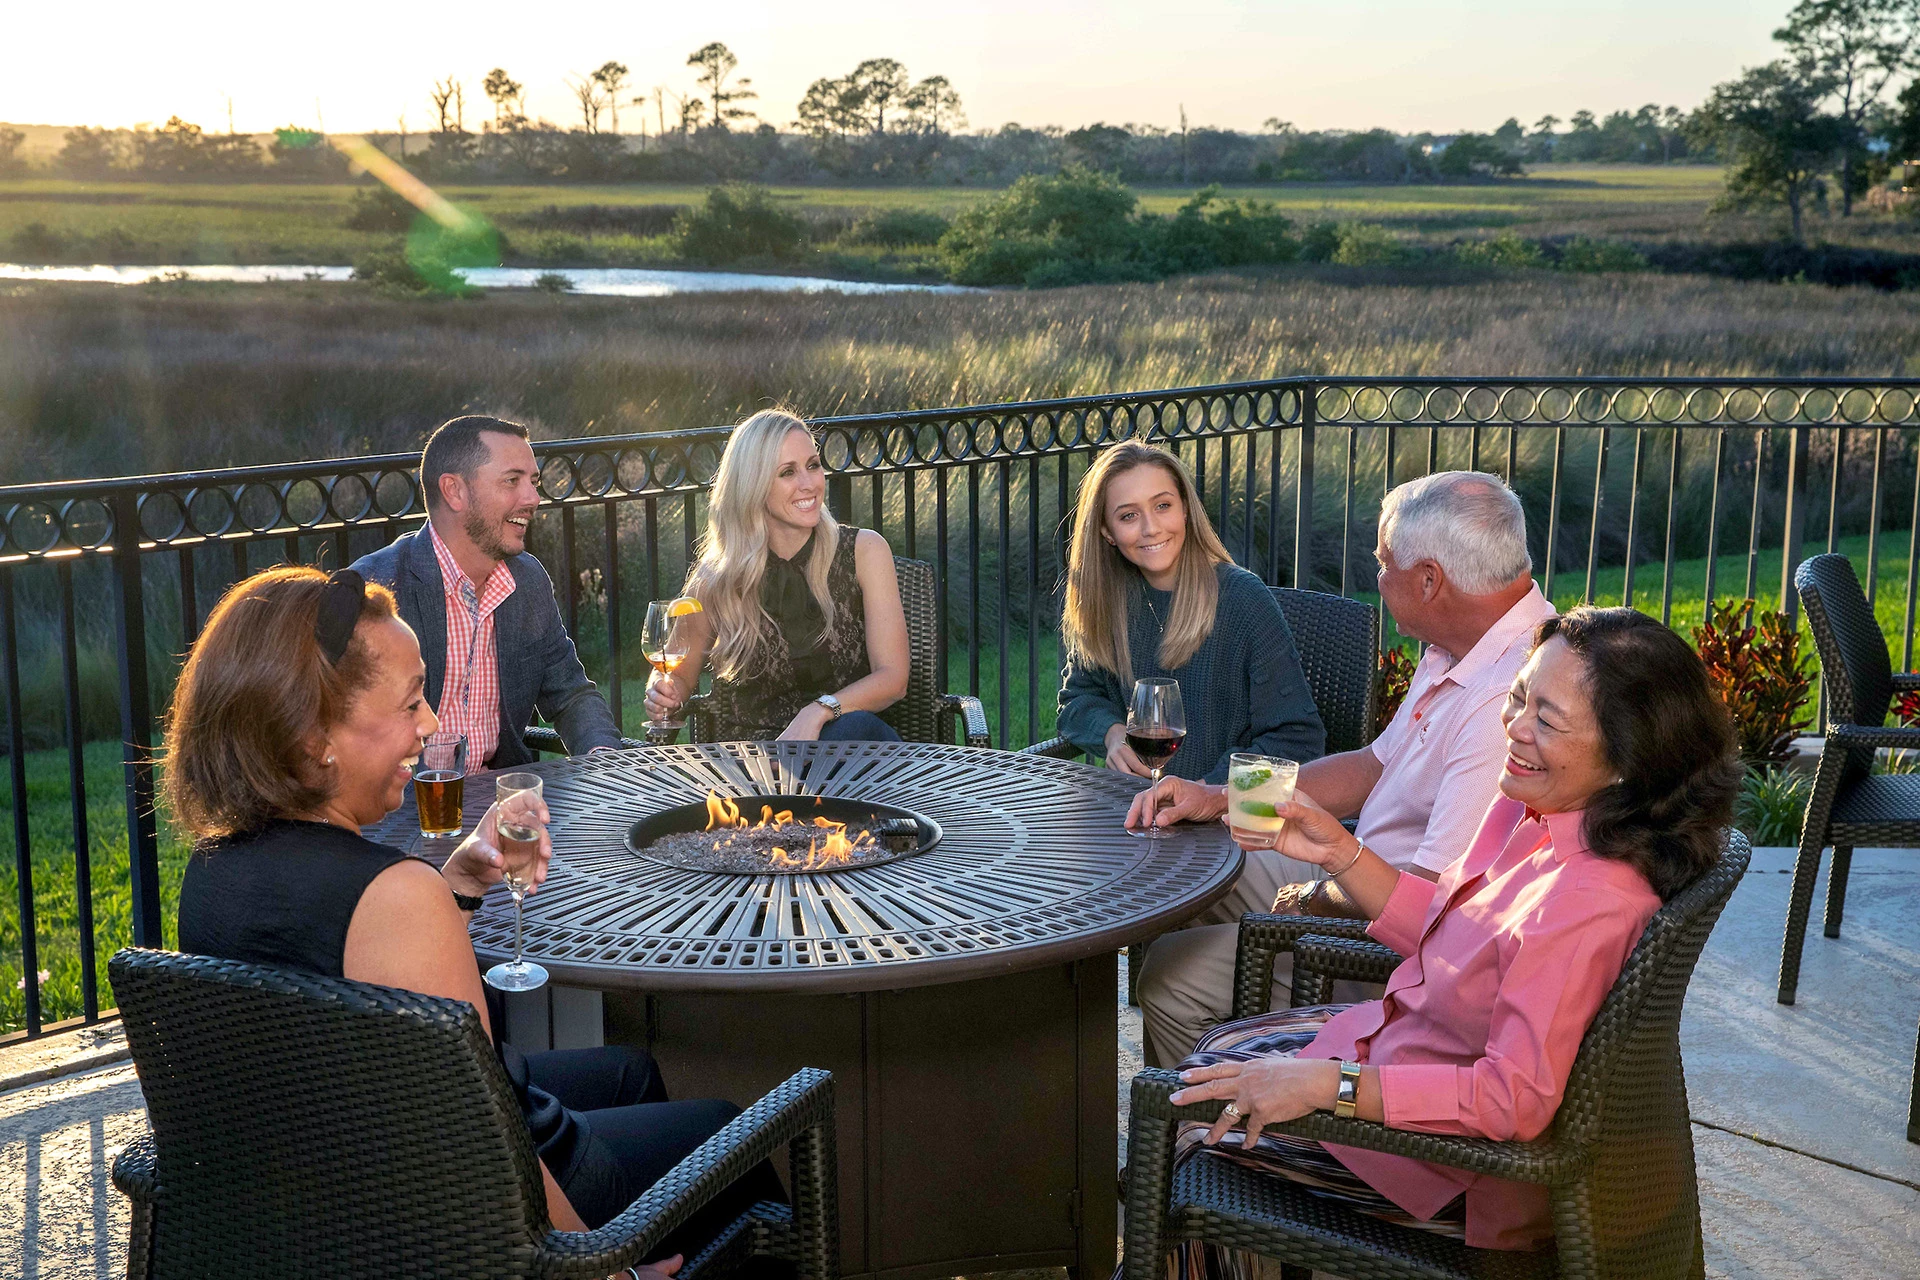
1337 641
1849 805
310 1126
1618 1160
925 714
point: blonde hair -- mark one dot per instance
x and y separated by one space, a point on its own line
733 551
1101 581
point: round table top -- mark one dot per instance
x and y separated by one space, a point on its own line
1034 869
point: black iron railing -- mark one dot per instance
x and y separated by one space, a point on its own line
105 583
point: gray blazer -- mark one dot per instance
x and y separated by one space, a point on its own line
536 659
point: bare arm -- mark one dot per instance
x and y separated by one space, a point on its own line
1342 783
406 932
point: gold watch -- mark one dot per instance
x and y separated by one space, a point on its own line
1348 1096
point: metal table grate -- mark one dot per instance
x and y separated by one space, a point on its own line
1033 860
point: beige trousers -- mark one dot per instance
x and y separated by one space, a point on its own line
1186 980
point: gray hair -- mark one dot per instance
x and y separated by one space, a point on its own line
1467 522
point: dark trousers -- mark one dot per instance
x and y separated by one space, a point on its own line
858 726
635 1135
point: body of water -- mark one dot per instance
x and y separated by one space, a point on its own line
624 282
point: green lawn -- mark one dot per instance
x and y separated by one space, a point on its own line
156 223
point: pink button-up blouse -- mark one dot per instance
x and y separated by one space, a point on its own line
1508 957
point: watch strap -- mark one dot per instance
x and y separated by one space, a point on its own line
1348 1096
832 704
467 901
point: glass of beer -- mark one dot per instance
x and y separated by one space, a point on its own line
439 785
519 844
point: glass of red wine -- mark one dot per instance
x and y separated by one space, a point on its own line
1156 725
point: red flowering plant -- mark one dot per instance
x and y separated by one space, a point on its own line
1390 684
1753 656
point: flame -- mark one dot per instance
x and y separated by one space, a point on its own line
827 847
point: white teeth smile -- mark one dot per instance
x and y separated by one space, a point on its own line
519 520
1520 764
1150 548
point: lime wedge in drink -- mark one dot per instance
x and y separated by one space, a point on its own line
1248 779
1259 808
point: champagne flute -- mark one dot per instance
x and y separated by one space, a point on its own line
519 837
666 639
1156 725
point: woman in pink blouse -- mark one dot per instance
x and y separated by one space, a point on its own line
1620 776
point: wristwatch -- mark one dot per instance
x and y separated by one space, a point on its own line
1348 1097
832 704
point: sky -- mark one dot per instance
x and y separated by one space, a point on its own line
1407 65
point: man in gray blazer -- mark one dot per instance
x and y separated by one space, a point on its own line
489 627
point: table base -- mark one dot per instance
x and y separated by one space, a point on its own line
977 1120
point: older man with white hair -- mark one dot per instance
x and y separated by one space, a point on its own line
1455 575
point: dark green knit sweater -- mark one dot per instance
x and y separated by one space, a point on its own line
1243 688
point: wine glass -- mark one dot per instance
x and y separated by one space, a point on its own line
667 641
1156 725
519 854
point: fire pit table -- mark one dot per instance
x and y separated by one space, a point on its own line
962 990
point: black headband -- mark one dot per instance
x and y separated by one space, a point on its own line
340 603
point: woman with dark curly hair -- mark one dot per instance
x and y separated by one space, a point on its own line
1620 777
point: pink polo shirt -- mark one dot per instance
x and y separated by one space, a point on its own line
1442 753
1523 937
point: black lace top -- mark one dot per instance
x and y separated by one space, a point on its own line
801 663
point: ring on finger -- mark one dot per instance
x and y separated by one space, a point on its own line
1232 1111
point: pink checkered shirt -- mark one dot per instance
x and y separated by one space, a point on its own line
470 696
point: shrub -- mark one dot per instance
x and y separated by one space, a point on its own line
1320 242
1754 659
1362 244
1772 805
37 242
896 228
379 209
738 222
1504 250
1067 228
1391 683
553 282
1583 254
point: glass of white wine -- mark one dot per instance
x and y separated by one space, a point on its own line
667 639
519 838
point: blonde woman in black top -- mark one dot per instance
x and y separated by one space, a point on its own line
801 622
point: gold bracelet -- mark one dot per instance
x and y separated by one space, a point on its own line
1359 847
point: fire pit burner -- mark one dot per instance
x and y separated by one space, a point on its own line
781 835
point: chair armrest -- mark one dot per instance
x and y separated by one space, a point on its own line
798 1112
1319 960
973 717
541 738
1548 1162
135 1170
1262 939
1860 735
1904 681
1058 748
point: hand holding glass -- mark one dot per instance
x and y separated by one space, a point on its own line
518 831
1256 787
1156 725
666 637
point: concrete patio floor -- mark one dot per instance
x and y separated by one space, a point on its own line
1800 1113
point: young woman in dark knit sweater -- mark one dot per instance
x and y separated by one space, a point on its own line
1151 591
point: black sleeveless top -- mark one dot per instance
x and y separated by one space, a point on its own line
801 662
284 896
